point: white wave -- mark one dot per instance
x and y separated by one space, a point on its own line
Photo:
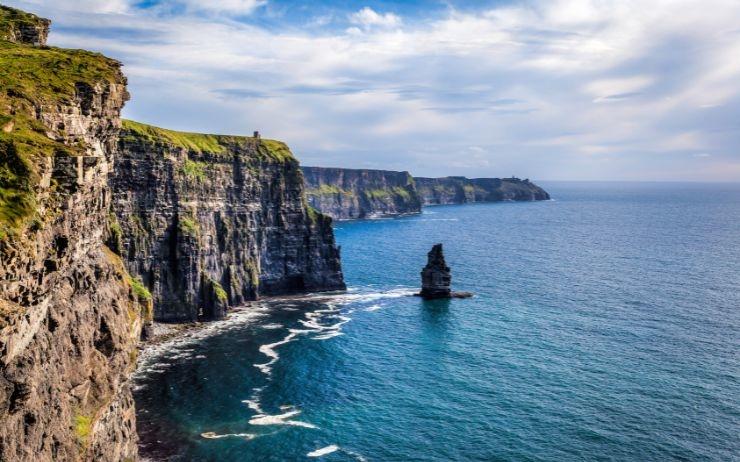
328 336
272 326
186 342
312 325
280 419
214 436
301 331
253 404
373 308
359 457
323 451
269 351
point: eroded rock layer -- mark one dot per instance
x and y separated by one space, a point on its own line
69 318
212 221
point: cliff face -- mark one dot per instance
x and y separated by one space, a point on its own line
69 319
212 221
347 193
20 27
461 190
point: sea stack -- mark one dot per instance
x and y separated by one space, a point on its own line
436 277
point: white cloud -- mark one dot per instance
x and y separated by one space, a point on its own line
408 96
87 6
237 7
368 18
605 90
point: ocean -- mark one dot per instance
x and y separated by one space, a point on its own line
605 326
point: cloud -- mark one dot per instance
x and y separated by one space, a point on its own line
520 82
368 18
88 6
236 7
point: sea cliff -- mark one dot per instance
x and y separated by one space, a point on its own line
105 226
345 194
461 190
210 221
70 316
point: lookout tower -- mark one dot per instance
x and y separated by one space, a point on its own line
256 135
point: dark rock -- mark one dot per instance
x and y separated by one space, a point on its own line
69 323
216 223
436 278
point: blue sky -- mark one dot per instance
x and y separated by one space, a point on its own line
545 89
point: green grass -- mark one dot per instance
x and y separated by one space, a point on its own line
313 214
194 170
82 427
277 150
268 150
30 78
12 19
140 290
49 75
188 226
387 194
328 190
195 142
218 289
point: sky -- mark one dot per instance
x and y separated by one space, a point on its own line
543 89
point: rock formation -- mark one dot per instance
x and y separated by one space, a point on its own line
205 221
346 194
436 278
21 27
209 221
461 190
70 315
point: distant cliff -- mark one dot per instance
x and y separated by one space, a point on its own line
209 221
349 193
461 190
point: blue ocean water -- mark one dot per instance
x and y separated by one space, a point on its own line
605 326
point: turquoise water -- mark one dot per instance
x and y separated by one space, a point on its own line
606 326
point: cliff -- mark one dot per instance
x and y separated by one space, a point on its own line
70 316
347 193
211 221
205 221
24 28
461 190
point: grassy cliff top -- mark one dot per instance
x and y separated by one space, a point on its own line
50 75
33 79
12 20
203 143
